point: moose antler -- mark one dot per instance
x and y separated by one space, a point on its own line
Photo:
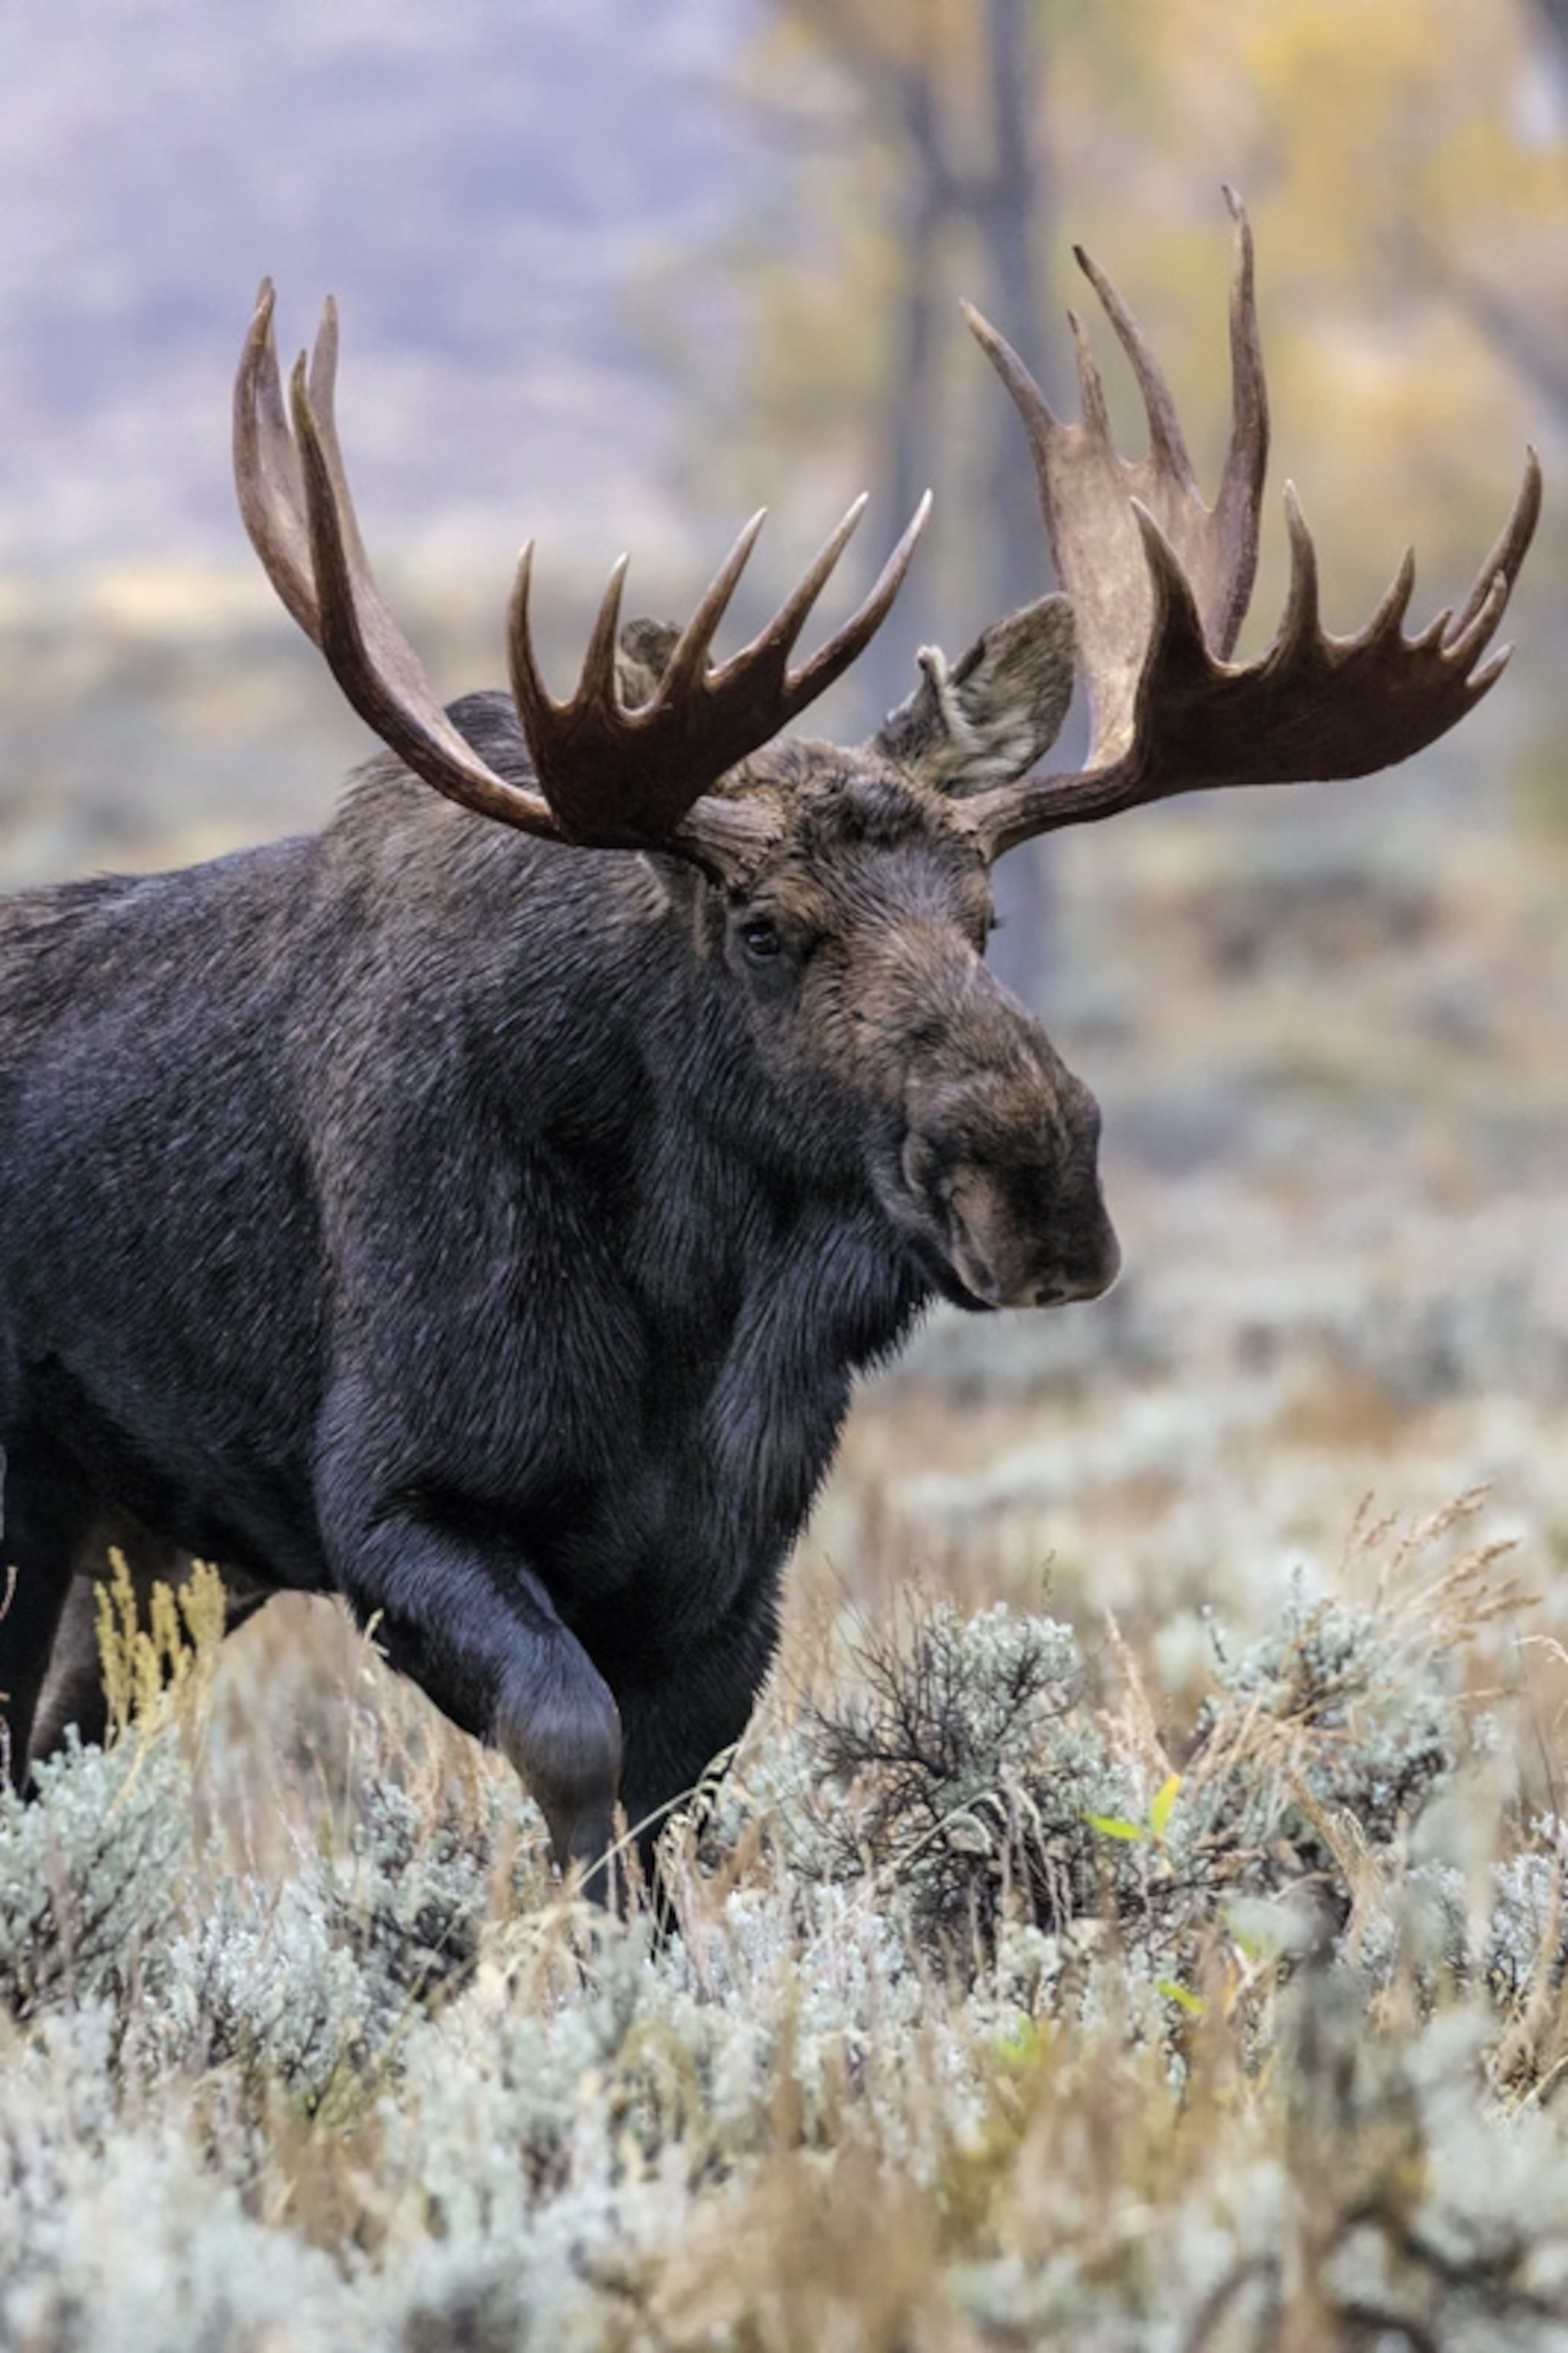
1160 585
609 777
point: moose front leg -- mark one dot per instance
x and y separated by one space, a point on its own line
679 1715
474 1627
556 1721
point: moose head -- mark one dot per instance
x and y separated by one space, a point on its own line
847 889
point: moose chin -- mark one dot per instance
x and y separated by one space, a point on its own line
480 1209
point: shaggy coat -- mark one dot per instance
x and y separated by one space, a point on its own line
490 1232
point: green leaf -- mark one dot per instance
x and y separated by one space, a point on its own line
1164 1805
1023 2049
1193 2003
1112 1826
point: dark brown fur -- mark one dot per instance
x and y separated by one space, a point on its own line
489 1232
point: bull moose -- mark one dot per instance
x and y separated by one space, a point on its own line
481 1208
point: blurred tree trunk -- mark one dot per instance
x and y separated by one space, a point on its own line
963 115
912 406
1008 207
1552 15
1526 334
991 185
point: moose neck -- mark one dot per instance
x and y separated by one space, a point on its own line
600 1025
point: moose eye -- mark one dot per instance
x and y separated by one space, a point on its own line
761 938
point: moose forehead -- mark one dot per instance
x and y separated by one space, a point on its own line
859 836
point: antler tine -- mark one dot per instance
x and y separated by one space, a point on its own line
599 663
849 642
1462 649
535 705
1239 503
1301 623
321 386
1168 448
266 470
778 638
687 662
1388 619
1092 409
1508 550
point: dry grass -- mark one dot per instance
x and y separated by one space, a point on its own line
1006 2009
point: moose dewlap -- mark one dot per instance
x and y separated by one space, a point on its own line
481 1208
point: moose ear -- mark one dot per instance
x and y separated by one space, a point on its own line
988 718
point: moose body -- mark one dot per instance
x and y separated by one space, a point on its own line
480 1210
411 1212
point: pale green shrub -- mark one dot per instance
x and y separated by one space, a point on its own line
91 1876
1000 2012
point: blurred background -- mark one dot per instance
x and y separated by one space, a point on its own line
613 274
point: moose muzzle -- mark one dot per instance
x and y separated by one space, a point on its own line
1000 1181
1012 1247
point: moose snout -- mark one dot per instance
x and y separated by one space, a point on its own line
1026 1228
1014 1244
997 1185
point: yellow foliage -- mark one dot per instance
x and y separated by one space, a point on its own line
145 1666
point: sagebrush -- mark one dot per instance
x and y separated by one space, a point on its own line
1001 2010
